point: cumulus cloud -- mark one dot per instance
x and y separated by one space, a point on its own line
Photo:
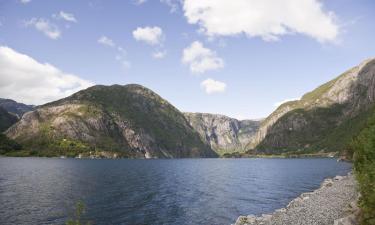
277 104
149 35
24 79
104 40
201 59
268 19
159 54
45 26
211 86
66 16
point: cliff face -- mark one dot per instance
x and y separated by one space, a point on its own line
324 119
222 133
130 119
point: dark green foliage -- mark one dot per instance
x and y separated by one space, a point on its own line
324 129
363 147
7 145
6 119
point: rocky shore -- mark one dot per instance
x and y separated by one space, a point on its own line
334 203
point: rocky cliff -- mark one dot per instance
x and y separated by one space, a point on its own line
222 133
325 119
130 119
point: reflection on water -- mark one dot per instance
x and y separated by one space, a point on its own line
181 191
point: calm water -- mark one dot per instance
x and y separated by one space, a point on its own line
184 191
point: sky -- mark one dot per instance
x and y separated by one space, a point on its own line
240 58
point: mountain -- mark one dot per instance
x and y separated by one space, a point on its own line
325 119
14 107
131 120
222 133
6 119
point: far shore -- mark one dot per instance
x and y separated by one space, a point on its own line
112 155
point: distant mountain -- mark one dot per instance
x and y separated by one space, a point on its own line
130 119
325 119
222 133
6 119
14 107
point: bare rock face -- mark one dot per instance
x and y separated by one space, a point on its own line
130 119
222 133
324 119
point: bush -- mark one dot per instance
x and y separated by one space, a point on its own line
363 147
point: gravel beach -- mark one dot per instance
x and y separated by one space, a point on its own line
333 203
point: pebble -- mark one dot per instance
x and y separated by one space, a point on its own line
333 203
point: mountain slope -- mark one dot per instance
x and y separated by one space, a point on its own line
222 133
6 119
130 119
14 107
325 119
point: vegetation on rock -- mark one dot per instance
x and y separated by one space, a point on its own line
363 150
130 119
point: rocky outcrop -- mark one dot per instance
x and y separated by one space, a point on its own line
14 107
324 119
222 133
130 119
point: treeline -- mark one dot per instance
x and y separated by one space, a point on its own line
363 151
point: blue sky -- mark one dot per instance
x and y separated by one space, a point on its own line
223 60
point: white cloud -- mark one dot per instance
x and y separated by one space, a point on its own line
139 2
24 79
159 54
201 59
121 55
211 86
277 104
122 59
174 5
268 19
150 35
45 26
66 16
25 1
104 40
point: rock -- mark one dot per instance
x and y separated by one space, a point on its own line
326 205
349 220
222 133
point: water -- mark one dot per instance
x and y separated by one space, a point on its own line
181 191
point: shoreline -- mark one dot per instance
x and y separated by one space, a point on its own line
334 202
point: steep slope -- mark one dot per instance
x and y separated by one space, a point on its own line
6 119
325 119
222 133
130 119
14 107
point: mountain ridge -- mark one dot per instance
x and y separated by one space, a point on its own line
296 125
131 119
